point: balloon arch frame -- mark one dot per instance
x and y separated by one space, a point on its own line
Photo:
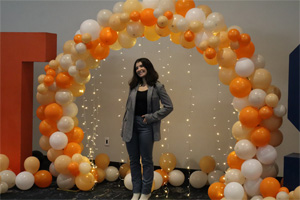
255 98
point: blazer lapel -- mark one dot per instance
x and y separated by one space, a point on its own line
149 95
133 97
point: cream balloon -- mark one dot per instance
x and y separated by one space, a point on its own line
150 3
70 110
195 14
176 177
257 98
90 26
234 175
63 97
244 149
135 29
198 179
8 177
65 124
125 40
240 132
118 7
112 173
240 103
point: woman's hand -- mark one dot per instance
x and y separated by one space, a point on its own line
145 121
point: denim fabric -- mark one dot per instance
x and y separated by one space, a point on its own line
141 145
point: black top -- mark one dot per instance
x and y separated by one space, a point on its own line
141 103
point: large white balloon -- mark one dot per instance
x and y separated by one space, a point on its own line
252 187
58 140
63 97
244 67
8 177
251 169
195 14
112 173
65 124
234 175
234 190
198 179
70 110
90 26
176 177
24 180
65 181
150 3
158 180
240 103
244 149
214 176
128 182
257 98
266 154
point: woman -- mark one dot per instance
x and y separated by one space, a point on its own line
141 123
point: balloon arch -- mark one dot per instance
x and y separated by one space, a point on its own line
256 100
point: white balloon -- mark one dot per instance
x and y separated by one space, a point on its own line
251 169
234 175
65 124
52 170
195 14
103 17
84 168
58 140
172 26
182 24
128 182
214 176
70 110
166 5
80 48
150 3
202 36
244 67
269 171
252 187
256 98
234 190
8 177
198 179
176 177
24 180
244 149
90 26
66 61
158 12
112 173
240 103
3 187
135 29
282 195
158 180
73 71
118 7
258 60
65 181
266 154
63 97
279 110
214 22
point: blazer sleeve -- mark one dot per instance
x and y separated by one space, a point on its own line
165 110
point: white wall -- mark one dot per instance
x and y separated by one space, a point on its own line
274 29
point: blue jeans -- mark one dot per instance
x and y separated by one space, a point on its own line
141 145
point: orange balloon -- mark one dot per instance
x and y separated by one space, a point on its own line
234 35
284 189
183 6
164 175
199 50
265 112
249 117
92 44
73 167
222 179
210 53
135 16
48 80
77 38
233 161
47 127
240 87
269 187
245 39
100 52
108 36
245 51
147 17
51 72
53 112
40 112
64 80
43 178
71 149
168 14
189 36
216 191
260 136
75 135
46 68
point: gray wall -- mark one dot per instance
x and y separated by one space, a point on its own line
274 29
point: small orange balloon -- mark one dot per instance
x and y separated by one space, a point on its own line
265 112
269 187
108 36
135 16
260 136
249 117
51 72
245 39
73 168
284 189
47 127
245 51
189 36
77 38
43 178
71 149
53 112
234 35
46 68
164 175
216 191
147 17
222 179
168 14
210 53
40 112
240 87
233 161
64 80
183 6
75 135
48 80
100 52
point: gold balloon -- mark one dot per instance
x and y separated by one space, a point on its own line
175 37
207 164
116 46
91 62
86 38
123 170
271 100
82 80
32 164
54 64
167 162
77 158
77 89
261 79
101 175
162 21
44 143
47 98
162 32
150 33
124 17
52 154
210 61
102 161
115 22
61 164
132 5
41 78
214 41
227 75
226 58
85 182
68 46
125 40
206 9
224 40
275 90
84 72
195 26
4 162
203 45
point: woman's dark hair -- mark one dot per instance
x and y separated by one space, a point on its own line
151 76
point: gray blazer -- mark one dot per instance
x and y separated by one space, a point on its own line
155 113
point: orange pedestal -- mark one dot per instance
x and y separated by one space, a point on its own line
18 52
